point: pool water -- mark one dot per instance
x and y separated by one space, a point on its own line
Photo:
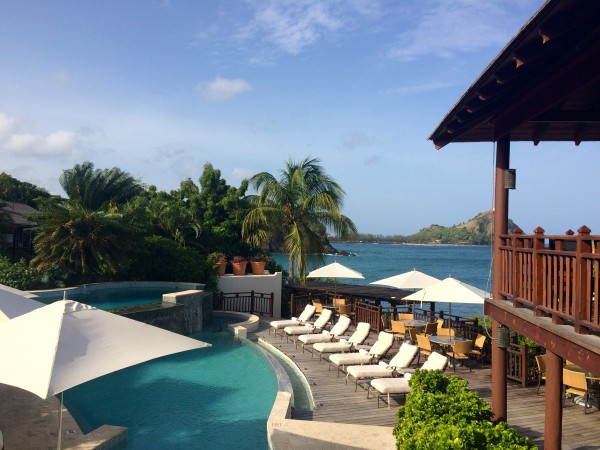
116 298
213 398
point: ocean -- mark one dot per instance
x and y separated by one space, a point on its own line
470 264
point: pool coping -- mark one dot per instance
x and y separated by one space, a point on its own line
177 286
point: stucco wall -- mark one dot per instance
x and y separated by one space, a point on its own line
257 283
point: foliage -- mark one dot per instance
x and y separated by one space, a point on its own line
19 275
162 259
216 258
239 259
296 209
13 190
261 257
441 413
475 231
91 232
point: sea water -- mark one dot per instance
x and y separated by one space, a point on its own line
469 264
212 398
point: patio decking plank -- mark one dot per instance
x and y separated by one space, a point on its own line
338 403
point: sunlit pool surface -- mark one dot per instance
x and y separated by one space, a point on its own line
116 298
213 398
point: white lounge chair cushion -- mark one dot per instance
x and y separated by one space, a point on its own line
299 329
346 359
332 347
308 312
314 338
279 324
391 385
405 355
370 371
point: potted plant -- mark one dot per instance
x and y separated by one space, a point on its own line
219 262
239 263
258 263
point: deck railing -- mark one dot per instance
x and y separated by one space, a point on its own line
249 302
365 312
556 276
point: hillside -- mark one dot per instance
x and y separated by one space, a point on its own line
476 231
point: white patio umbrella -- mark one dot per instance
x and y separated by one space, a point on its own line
13 303
450 290
67 343
408 280
334 270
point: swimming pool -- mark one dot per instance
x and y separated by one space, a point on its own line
116 295
218 397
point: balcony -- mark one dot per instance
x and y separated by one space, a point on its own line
554 276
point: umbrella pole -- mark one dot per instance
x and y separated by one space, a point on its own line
60 412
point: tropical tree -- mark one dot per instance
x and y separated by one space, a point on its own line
298 208
91 231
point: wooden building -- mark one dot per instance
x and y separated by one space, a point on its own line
16 240
543 86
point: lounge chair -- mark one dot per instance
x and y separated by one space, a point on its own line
358 337
340 327
388 386
364 356
309 327
306 315
403 359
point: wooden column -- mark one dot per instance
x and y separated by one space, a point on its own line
499 406
553 421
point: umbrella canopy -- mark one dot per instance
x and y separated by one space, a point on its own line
450 290
13 304
67 343
409 280
334 270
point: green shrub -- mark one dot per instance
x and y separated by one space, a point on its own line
162 259
441 413
19 275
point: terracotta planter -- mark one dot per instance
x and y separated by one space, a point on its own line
258 267
239 268
220 268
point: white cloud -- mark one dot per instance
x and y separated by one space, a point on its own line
239 174
60 142
293 26
450 27
222 89
357 139
6 125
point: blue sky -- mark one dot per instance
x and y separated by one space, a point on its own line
159 88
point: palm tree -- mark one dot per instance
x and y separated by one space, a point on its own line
90 232
298 208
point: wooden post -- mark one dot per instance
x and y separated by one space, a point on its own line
582 294
292 306
553 420
499 395
252 302
539 272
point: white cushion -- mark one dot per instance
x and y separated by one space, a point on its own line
298 329
332 347
314 338
391 385
346 359
369 371
278 324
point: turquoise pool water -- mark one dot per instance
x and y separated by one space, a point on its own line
212 398
117 297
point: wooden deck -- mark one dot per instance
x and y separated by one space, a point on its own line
338 403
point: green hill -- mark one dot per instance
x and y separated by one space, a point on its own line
476 231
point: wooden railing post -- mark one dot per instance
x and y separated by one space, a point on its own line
582 294
271 301
252 302
539 273
515 269
292 306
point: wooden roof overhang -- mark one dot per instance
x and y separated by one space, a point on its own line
543 86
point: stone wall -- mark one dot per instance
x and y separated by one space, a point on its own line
181 312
